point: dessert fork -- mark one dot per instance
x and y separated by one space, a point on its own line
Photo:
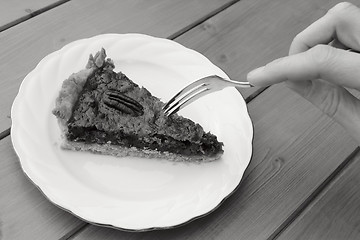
198 89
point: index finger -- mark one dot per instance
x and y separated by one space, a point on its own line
330 64
341 22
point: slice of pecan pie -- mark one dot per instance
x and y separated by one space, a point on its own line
102 111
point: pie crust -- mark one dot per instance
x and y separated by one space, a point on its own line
101 111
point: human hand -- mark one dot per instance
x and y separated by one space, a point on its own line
319 67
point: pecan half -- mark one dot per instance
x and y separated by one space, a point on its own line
123 103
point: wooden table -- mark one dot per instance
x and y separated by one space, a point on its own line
303 179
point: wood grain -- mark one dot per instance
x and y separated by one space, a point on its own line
15 11
24 45
24 212
333 215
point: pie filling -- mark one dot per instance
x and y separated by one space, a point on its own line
107 108
208 146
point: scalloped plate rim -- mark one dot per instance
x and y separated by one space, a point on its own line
22 156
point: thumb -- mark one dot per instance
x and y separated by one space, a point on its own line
333 100
322 61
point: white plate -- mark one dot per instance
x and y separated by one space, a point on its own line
131 193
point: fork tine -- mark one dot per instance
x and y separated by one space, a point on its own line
186 100
199 89
182 96
189 87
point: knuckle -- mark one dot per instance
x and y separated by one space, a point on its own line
342 8
324 96
330 102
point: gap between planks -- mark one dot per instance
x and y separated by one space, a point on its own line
60 2
75 231
202 19
32 14
5 133
316 194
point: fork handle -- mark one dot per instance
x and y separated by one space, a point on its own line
240 84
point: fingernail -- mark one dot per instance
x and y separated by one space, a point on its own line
256 71
253 76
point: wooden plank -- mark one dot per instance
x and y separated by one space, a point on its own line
335 214
291 142
15 11
24 45
24 212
